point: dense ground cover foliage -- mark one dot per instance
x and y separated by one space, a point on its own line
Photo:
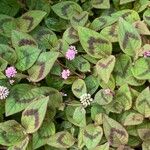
74 74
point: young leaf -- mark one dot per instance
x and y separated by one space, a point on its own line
11 132
79 88
66 9
28 21
33 115
61 140
114 132
103 99
129 38
104 67
143 102
26 57
42 66
22 39
93 43
92 135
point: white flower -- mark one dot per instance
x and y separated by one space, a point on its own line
86 99
4 92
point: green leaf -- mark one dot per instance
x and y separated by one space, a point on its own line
11 132
18 99
7 24
130 118
92 135
101 4
76 115
9 7
22 39
102 22
8 54
93 43
114 132
79 116
3 64
143 102
105 67
79 88
124 97
141 69
125 1
28 21
33 115
146 145
61 140
70 35
41 137
102 147
129 38
26 57
20 145
144 134
79 19
42 66
146 16
66 9
101 98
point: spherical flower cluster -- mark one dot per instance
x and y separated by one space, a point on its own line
146 54
10 72
71 52
86 99
65 74
108 92
4 92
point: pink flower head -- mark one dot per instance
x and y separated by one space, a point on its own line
3 92
108 92
65 74
146 54
10 72
71 52
11 82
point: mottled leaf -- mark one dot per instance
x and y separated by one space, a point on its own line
93 43
101 4
92 135
42 66
33 115
114 132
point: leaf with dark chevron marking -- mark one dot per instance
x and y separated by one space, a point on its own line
79 19
129 38
20 39
101 4
11 132
143 102
79 88
42 66
28 21
70 35
93 43
141 69
101 98
22 145
102 22
66 9
61 140
26 57
92 135
146 16
33 115
115 133
105 66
